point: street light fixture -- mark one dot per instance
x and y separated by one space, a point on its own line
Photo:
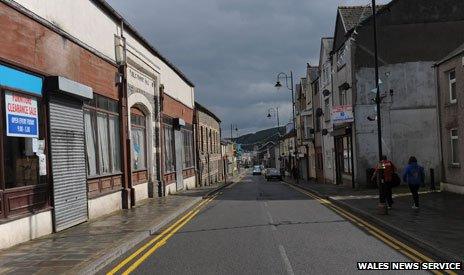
380 180
289 84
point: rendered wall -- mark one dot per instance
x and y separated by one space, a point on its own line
409 117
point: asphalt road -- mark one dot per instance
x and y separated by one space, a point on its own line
259 227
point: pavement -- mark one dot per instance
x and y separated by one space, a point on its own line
87 247
437 227
259 227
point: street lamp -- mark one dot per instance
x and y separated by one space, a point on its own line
289 84
380 180
232 127
276 112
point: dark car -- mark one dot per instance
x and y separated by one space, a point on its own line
256 170
273 174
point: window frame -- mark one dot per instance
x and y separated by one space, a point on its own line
169 129
94 110
142 127
450 84
454 138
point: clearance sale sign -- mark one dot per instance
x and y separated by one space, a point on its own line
22 116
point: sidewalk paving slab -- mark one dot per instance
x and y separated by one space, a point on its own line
437 227
86 248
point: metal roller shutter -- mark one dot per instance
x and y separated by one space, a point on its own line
68 162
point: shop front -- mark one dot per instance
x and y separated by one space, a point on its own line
24 174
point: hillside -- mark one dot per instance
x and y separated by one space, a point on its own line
249 140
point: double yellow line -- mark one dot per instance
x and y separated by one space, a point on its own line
374 231
157 242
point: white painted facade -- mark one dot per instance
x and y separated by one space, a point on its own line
102 38
25 229
104 205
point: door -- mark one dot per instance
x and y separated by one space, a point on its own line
338 159
179 148
68 162
319 165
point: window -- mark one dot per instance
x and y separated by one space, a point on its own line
188 148
101 126
169 165
342 97
138 138
327 109
341 57
454 146
452 86
202 143
21 167
318 123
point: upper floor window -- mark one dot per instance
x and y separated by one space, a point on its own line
327 109
454 146
343 97
452 86
341 57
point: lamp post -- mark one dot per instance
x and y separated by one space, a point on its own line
380 180
232 127
269 115
276 111
289 84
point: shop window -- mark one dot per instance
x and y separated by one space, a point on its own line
101 126
188 148
20 163
169 164
347 169
138 138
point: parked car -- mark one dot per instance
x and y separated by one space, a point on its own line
273 174
256 170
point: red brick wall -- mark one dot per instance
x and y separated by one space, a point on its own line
30 45
174 108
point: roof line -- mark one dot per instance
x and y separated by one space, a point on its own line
206 110
112 12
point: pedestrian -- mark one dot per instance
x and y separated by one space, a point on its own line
295 173
414 175
389 170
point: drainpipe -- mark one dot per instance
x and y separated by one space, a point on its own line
440 133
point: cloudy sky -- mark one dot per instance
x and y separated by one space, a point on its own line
233 49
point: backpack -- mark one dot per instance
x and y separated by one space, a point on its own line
415 175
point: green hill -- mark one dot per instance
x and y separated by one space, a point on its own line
249 140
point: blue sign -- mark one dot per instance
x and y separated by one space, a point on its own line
22 126
20 80
22 115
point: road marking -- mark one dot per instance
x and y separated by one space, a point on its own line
180 221
374 231
158 245
287 263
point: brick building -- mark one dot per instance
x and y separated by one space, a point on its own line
208 146
83 132
450 78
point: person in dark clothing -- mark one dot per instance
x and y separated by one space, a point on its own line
388 169
414 175
295 174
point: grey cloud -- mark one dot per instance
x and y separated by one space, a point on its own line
233 49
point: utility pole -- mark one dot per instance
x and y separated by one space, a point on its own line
380 180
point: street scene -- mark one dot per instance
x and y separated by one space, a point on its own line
231 137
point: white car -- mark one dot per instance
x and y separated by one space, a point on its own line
256 170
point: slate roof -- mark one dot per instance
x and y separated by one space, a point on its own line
352 15
452 54
205 110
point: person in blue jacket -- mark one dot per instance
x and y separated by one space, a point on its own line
414 176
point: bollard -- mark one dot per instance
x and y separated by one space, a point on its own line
432 179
